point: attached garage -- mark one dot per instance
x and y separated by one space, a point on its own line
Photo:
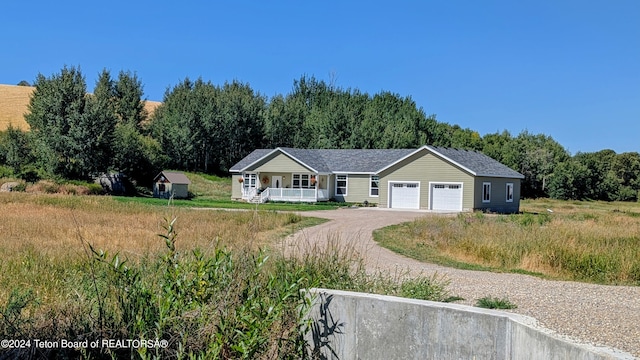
404 195
446 196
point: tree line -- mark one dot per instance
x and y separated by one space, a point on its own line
203 127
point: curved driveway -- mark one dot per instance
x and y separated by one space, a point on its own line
596 314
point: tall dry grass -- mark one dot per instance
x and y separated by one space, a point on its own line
204 286
42 234
586 241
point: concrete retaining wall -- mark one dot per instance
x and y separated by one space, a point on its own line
348 325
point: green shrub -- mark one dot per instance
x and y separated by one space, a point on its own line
425 288
95 189
6 172
495 303
31 174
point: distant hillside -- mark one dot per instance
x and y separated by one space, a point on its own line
15 99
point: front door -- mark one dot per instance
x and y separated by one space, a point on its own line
276 182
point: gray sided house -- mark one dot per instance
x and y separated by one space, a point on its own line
169 184
428 178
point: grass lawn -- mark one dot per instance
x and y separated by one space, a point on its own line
200 202
582 241
211 191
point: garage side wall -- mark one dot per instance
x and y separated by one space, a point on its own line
425 168
498 202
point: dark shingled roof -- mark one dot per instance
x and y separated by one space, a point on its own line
174 177
250 159
334 160
479 163
374 160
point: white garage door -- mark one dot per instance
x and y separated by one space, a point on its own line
404 196
447 197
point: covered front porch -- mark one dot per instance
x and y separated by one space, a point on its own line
289 187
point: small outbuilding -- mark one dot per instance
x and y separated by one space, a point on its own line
169 184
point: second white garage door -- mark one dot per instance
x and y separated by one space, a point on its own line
404 195
446 197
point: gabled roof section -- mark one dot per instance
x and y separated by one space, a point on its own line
308 158
374 161
476 163
305 157
174 177
255 156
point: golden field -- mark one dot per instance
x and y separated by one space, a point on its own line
45 236
14 101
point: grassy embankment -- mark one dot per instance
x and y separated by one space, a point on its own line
582 241
215 284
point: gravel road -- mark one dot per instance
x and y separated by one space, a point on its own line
594 314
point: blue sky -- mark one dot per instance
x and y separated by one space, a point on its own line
564 68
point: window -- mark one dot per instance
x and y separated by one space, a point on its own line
341 184
486 192
161 187
301 181
509 192
375 185
250 180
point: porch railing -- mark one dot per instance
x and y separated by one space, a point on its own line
284 194
249 193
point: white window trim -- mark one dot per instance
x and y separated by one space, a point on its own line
246 180
346 184
300 181
509 185
371 187
484 186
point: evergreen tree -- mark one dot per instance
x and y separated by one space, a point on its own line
129 105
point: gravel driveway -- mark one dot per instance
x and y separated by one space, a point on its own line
595 314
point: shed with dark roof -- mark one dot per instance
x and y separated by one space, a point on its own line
429 178
170 184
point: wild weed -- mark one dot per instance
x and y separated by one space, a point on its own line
495 303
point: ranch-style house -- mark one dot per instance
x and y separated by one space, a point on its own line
429 178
